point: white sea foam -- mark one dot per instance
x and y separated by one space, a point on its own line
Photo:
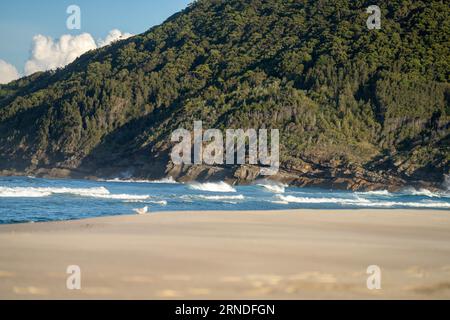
407 191
237 197
293 199
115 180
31 192
167 180
158 202
363 202
273 186
435 205
279 202
423 192
121 196
212 187
23 193
376 193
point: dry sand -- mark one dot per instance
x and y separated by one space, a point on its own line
298 254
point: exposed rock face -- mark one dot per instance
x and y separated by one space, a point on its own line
245 174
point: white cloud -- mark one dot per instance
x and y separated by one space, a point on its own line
48 54
114 35
8 72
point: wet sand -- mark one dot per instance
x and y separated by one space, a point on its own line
297 254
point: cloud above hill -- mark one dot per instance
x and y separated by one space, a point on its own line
113 36
48 54
8 72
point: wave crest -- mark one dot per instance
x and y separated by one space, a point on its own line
424 192
273 186
238 197
167 180
361 202
376 193
32 192
212 187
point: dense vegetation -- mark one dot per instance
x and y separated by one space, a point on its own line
349 101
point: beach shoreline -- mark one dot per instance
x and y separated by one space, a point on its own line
290 254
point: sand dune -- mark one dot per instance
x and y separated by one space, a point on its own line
298 254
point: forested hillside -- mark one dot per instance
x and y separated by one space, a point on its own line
356 108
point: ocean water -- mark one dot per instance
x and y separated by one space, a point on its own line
29 199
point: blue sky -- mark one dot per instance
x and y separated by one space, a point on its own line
20 20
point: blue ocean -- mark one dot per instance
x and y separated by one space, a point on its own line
30 199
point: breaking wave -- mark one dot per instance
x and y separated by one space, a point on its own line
278 202
424 192
238 197
212 187
293 199
23 199
273 187
158 202
407 192
220 198
361 202
98 192
167 180
376 193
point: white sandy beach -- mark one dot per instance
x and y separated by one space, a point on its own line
298 254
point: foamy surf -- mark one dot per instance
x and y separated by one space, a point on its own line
23 199
121 196
361 202
238 197
31 192
272 186
294 199
161 202
230 199
23 193
375 193
158 202
212 187
423 192
97 192
279 202
167 180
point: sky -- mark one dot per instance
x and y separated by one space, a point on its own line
34 34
